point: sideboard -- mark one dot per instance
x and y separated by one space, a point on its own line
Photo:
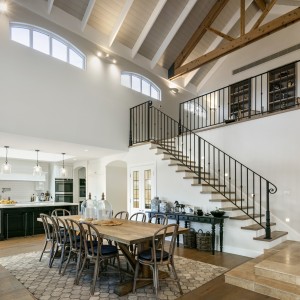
188 218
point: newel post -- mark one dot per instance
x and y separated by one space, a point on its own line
268 223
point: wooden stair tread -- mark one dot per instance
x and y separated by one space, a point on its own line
216 192
245 217
206 184
256 226
231 208
225 200
274 234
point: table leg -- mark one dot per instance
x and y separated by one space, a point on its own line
213 234
221 236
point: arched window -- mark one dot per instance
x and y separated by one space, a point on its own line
140 84
48 43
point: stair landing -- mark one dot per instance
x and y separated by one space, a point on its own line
276 273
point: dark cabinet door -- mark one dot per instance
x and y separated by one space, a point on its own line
13 223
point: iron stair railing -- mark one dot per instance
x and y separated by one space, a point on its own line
246 189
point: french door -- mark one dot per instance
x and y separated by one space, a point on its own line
142 188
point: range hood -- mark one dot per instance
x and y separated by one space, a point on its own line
22 177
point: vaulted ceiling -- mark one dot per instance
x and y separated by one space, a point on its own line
180 39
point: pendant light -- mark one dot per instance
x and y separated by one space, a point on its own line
37 170
6 167
63 171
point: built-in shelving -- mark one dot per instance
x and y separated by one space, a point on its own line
240 99
282 89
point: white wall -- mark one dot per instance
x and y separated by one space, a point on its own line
44 97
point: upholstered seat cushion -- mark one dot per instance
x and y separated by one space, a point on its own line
147 255
105 249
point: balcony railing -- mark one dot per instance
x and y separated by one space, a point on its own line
263 94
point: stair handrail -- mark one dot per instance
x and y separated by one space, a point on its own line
148 123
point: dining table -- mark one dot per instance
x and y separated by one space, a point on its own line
127 233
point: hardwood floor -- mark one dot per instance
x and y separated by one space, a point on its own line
217 289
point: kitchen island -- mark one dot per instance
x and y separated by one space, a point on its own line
20 219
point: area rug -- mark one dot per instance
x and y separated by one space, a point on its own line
46 284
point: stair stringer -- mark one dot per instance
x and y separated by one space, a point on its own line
236 240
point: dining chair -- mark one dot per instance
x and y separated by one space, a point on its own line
76 245
49 235
60 212
157 256
139 216
95 250
61 241
159 219
122 215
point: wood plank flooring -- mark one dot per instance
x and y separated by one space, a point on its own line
217 289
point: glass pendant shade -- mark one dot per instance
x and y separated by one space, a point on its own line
63 171
37 170
6 167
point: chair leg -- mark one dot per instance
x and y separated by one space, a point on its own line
53 252
95 276
80 271
67 262
78 267
45 245
62 257
176 277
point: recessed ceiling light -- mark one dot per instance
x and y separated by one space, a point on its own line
99 54
3 6
86 150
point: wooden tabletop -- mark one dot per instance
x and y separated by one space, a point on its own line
129 232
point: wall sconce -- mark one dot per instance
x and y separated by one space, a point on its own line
37 170
6 167
174 91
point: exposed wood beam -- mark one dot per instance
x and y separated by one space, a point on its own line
242 22
254 35
261 4
148 27
263 15
221 34
50 5
172 32
199 33
216 42
87 14
218 63
120 21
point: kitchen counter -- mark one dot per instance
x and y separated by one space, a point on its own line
37 204
20 219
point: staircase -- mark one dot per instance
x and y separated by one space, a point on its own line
276 273
243 193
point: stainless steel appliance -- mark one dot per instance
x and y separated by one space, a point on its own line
63 190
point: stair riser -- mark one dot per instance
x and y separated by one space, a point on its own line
273 274
262 289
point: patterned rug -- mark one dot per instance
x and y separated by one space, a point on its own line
46 284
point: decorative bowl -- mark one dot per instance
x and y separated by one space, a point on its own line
218 213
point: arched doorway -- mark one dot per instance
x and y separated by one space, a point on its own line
116 185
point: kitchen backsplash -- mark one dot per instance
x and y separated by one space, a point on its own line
20 191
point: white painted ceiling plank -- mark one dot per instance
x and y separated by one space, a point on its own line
148 27
120 21
87 14
218 39
172 32
50 5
